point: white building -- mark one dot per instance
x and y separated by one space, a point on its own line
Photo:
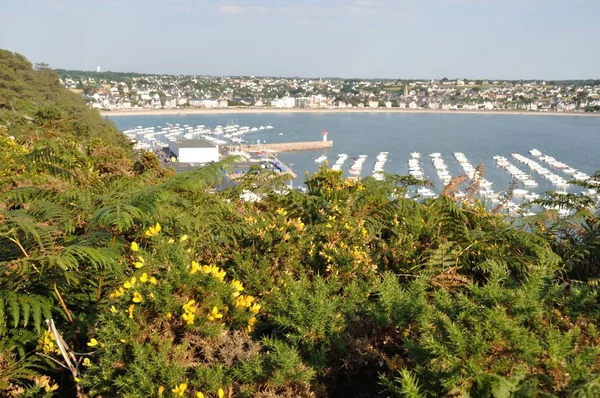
194 151
287 102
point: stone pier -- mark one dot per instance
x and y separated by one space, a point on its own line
283 147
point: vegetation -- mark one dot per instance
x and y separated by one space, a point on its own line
122 279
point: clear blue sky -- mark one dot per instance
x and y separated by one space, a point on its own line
505 39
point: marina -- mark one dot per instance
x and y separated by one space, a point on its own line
374 145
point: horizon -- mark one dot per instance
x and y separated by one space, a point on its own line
323 77
350 39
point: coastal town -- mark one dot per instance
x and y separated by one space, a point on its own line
109 91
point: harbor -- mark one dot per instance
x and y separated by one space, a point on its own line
433 148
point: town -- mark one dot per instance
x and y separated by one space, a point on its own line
128 91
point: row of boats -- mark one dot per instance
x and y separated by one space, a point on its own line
358 164
149 138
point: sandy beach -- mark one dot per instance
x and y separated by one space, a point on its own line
216 111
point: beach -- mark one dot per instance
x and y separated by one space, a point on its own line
217 111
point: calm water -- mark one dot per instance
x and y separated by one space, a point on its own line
570 139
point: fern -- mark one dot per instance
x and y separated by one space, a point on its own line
24 311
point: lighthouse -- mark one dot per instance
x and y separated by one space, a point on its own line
324 135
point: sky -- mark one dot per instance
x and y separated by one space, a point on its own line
404 39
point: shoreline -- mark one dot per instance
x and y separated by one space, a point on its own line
217 111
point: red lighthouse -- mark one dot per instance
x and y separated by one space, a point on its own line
324 135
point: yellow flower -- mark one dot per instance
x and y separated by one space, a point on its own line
131 283
195 268
169 315
153 231
251 323
183 238
188 318
237 285
214 314
153 280
123 341
87 362
218 273
161 390
77 379
117 293
221 393
93 343
171 241
179 390
255 308
134 247
199 395
50 388
42 381
137 298
130 310
189 311
113 309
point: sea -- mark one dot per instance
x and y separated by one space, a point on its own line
573 140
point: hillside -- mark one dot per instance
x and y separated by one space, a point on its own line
119 279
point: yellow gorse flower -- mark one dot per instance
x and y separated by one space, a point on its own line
161 390
183 238
130 310
87 362
140 263
251 323
221 393
195 268
144 278
130 283
179 390
255 308
214 271
137 298
237 285
244 301
153 280
153 231
189 310
92 343
214 314
47 343
113 309
134 247
117 293
50 388
199 395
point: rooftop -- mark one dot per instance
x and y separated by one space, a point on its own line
196 143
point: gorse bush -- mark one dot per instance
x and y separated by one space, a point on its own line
120 278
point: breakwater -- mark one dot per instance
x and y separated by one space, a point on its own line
282 147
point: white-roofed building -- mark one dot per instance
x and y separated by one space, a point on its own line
194 151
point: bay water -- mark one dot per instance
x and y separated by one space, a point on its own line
573 140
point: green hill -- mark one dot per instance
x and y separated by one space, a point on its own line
120 279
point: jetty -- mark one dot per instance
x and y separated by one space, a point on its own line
282 147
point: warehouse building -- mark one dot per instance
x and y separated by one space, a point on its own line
194 151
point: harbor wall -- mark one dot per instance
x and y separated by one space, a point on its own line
283 147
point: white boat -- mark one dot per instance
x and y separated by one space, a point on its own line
321 159
415 155
535 152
